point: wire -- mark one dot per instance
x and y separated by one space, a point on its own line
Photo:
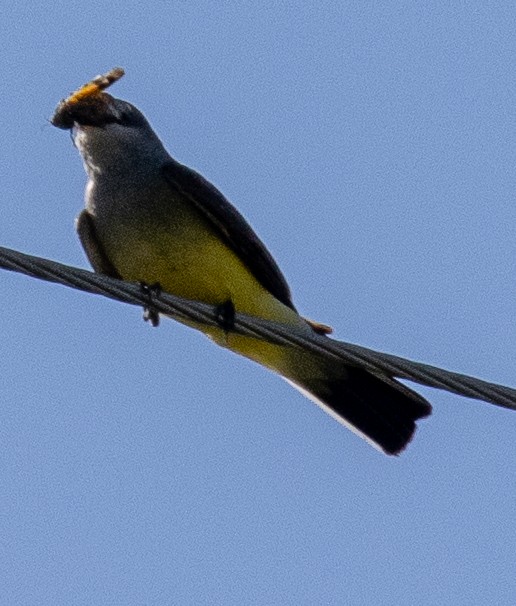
188 311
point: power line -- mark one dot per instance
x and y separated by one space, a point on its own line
194 311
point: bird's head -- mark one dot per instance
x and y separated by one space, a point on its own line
108 132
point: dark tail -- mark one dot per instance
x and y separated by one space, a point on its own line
378 408
375 406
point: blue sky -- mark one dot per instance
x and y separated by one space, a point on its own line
372 148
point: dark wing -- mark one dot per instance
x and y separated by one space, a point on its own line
230 226
92 246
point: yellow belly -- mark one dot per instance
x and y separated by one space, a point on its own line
190 261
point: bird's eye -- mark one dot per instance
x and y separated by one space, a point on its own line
126 118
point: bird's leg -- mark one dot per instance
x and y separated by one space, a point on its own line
149 313
225 314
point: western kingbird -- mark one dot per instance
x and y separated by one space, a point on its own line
150 219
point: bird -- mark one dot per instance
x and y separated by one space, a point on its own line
148 218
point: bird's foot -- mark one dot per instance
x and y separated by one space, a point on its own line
149 313
225 314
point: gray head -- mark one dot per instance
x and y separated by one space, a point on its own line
108 132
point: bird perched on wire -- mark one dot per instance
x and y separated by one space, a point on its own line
150 219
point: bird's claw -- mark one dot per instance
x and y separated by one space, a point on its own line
225 314
149 313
